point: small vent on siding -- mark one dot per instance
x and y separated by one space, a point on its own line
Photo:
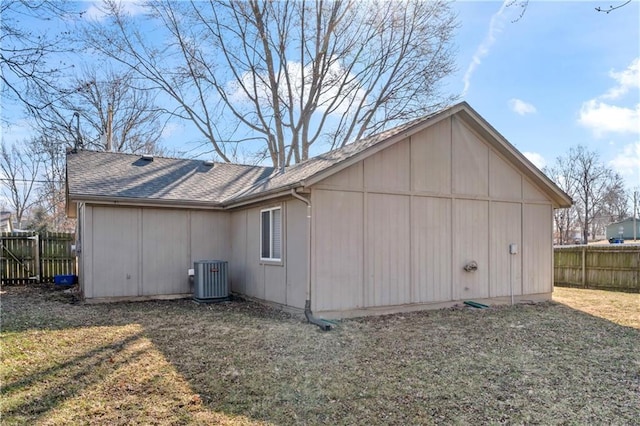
211 282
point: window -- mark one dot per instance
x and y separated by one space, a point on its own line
271 238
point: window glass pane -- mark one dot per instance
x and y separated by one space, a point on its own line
265 226
276 235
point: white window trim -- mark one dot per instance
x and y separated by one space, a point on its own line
272 260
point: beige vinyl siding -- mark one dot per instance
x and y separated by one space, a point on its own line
505 268
388 257
275 284
210 235
398 228
388 169
470 161
337 264
254 278
238 238
165 257
431 159
138 251
114 252
349 178
82 229
283 282
431 249
537 249
470 244
531 193
296 249
505 181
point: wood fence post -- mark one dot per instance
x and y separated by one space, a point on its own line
37 262
637 277
584 266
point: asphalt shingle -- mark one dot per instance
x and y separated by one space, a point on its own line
93 174
116 175
307 169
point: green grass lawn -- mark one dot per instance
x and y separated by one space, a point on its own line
574 361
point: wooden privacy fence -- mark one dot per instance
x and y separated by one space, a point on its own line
599 267
36 257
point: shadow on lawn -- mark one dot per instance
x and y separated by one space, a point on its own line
50 387
411 368
522 365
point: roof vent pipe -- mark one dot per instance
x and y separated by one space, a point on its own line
147 157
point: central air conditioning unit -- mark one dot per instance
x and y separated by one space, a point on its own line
211 283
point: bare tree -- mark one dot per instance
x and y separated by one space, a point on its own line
524 4
31 57
39 220
592 182
96 103
287 74
565 220
19 178
100 104
598 193
611 8
51 208
617 205
615 202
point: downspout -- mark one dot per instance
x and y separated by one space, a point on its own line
324 325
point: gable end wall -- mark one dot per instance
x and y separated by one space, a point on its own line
397 228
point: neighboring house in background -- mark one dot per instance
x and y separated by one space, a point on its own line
385 224
626 226
5 222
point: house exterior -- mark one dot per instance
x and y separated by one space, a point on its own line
5 222
626 227
436 211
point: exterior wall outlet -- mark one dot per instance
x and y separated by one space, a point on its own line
513 249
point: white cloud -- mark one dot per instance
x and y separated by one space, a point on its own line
603 118
131 7
521 107
627 163
337 97
627 80
537 159
17 131
496 26
171 129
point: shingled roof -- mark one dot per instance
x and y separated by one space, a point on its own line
295 175
93 175
104 175
116 177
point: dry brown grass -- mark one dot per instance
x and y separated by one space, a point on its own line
176 362
621 308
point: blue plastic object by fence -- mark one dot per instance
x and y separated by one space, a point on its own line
64 279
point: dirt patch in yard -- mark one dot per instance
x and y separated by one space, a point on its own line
177 362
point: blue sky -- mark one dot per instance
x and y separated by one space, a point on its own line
560 76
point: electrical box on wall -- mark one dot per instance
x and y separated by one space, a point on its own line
513 249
